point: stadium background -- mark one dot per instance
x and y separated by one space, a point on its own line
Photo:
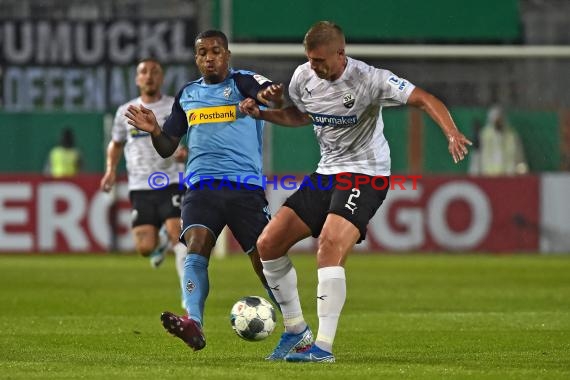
66 63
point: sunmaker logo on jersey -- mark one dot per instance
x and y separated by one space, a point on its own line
136 133
323 120
211 115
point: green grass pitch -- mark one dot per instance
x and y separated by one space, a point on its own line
406 317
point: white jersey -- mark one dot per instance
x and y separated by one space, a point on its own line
347 115
141 156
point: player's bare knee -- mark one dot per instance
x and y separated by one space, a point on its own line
265 245
195 244
328 242
199 243
200 240
144 248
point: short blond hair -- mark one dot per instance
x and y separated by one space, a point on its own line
323 33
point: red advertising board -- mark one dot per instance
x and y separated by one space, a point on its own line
439 214
460 214
38 214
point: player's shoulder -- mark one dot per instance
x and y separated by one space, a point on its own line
359 67
241 73
188 88
360 71
302 73
124 106
190 85
167 100
246 77
303 69
238 72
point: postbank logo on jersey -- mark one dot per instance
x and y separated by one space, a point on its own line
335 121
205 115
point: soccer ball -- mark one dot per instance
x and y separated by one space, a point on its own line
253 318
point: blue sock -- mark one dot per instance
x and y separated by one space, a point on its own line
195 285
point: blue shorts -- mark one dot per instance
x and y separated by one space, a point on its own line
245 211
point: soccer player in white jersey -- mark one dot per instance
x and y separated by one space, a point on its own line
343 99
151 207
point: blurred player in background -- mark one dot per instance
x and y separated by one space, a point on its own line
225 150
343 99
151 208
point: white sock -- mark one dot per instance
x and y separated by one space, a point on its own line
282 279
180 258
331 295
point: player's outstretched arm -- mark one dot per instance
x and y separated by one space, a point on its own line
457 142
142 118
290 116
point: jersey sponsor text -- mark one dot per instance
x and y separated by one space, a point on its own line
211 115
322 120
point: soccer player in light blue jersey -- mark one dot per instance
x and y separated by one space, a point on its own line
223 171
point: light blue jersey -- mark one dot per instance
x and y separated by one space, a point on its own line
223 143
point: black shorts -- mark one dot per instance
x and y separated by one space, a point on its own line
244 211
155 206
321 194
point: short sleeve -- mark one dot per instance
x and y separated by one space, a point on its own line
295 91
389 89
119 129
249 84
